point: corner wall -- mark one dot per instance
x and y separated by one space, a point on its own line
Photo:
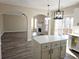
1 30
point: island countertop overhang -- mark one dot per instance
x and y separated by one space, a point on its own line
49 38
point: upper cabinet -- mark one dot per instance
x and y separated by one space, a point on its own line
76 17
75 30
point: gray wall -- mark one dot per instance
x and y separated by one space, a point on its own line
14 23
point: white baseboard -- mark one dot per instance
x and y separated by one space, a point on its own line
1 33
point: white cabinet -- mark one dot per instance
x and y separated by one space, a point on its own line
76 17
50 50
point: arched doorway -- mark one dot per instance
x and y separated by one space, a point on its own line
14 39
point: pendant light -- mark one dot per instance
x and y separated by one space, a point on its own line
58 14
48 15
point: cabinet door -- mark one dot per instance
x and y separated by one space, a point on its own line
63 51
63 48
56 50
56 53
45 51
45 54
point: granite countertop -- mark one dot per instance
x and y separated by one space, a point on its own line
51 38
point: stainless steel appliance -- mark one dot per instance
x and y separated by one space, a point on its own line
73 42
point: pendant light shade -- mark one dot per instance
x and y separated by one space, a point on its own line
58 14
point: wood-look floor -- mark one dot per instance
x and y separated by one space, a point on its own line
71 54
16 46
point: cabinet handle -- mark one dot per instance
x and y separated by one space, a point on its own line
51 51
56 44
61 48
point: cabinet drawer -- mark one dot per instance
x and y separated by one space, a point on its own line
63 41
46 45
55 44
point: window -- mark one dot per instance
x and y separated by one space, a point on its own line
34 23
67 25
46 24
63 26
58 27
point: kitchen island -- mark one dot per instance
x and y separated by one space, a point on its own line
49 47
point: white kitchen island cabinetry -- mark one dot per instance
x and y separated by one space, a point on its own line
49 47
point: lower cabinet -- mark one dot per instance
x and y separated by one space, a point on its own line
55 46
45 48
63 51
55 54
54 50
45 54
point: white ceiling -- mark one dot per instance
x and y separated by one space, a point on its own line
40 4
